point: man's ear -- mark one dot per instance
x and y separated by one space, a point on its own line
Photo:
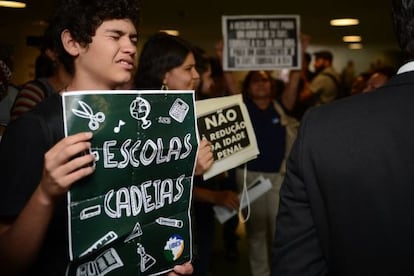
71 45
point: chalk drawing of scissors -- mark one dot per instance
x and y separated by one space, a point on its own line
94 119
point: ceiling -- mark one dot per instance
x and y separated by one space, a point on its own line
200 22
197 21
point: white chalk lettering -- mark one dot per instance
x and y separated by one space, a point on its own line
187 146
179 187
149 153
123 200
108 210
149 196
165 193
124 164
175 148
136 200
108 156
133 150
148 147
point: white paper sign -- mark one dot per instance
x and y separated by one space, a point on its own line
255 189
225 122
261 42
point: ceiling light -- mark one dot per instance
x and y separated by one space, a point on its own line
351 38
355 46
13 4
171 32
344 22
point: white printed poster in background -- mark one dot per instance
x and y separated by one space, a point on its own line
225 122
261 42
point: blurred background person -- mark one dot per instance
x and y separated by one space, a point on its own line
359 83
5 78
167 62
6 97
275 132
325 87
379 77
347 77
226 181
229 82
214 191
170 62
50 76
307 75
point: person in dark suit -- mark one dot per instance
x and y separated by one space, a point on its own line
347 202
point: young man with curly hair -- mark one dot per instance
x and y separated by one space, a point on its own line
97 45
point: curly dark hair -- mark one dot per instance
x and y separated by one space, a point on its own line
161 53
82 17
403 20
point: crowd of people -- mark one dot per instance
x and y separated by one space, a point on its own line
340 167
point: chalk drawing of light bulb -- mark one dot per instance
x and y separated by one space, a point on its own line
140 109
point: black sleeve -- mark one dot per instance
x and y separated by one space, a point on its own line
296 249
22 151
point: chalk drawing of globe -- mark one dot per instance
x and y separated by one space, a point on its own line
140 108
174 248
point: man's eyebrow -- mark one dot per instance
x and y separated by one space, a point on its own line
113 31
119 32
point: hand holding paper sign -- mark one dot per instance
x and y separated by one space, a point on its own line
228 199
62 168
60 171
204 157
184 269
225 199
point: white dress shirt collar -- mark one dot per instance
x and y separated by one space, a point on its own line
409 66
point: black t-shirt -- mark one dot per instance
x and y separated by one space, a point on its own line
22 150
